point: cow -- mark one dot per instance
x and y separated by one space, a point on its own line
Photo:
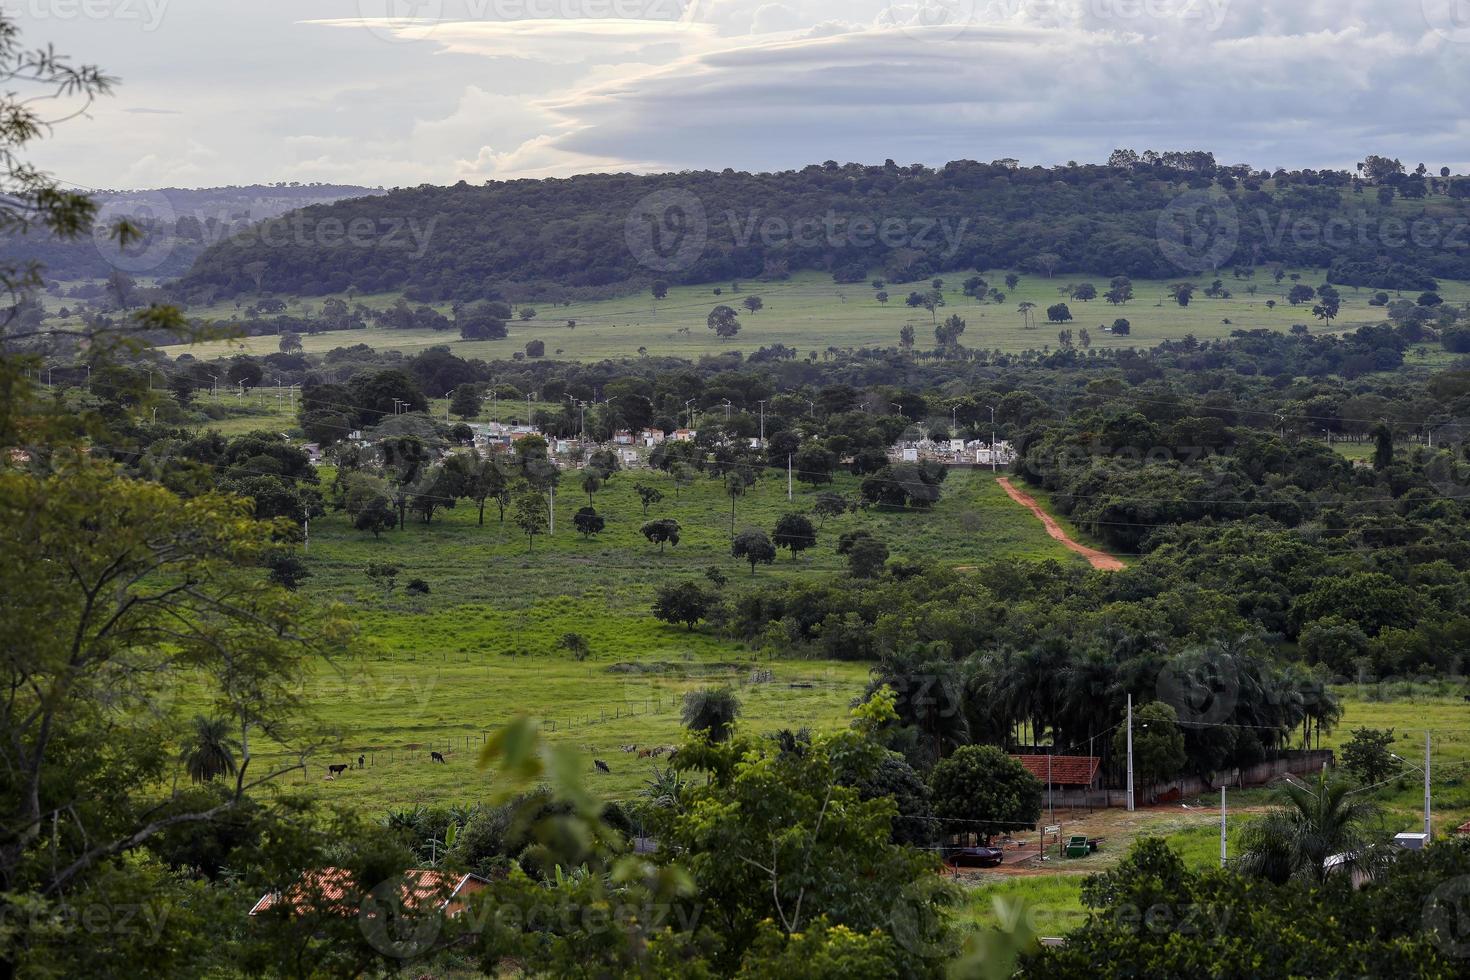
602 767
646 753
362 762
436 757
336 770
628 748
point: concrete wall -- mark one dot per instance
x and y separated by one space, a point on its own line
1305 763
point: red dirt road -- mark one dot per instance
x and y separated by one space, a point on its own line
1100 560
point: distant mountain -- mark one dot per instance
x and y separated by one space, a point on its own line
1148 216
181 223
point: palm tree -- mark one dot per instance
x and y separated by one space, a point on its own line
711 710
211 751
1309 825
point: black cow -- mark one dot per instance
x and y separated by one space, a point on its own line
436 757
601 766
362 762
336 770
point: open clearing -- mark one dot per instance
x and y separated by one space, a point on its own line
811 313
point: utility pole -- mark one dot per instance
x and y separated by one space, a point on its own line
1428 828
788 476
1050 803
1130 751
992 439
1223 836
763 425
552 528
690 411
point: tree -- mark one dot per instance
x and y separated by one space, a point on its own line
647 496
1383 447
1330 303
1368 755
881 296
210 751
591 483
529 513
376 515
830 504
753 546
290 343
384 573
981 790
287 570
1025 309
906 337
795 532
866 558
753 303
1120 291
948 333
711 711
814 464
1084 292
932 300
1122 327
660 289
466 401
1158 745
1308 825
724 321
1299 294
662 532
1012 281
684 603
588 522
737 482
535 348
575 644
1183 292
1059 313
119 593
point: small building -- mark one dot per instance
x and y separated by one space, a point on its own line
622 437
911 454
335 886
684 435
628 457
651 437
1064 771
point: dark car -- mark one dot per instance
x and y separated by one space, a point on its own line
975 857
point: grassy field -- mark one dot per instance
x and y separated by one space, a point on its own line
482 646
811 312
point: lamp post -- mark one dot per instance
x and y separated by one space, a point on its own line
992 438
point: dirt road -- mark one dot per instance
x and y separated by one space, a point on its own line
1100 560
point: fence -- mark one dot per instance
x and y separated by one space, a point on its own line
1296 763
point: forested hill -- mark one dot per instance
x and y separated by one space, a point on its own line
179 223
606 233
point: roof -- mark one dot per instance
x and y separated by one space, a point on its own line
1066 770
335 886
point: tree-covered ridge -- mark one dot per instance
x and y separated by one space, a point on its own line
527 238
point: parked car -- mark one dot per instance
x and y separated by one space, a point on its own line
975 857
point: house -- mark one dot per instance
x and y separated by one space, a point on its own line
628 457
622 437
313 452
911 454
651 437
684 435
1079 771
335 886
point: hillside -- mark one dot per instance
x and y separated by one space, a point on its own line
1150 217
180 223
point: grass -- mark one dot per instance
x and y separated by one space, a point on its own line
482 647
811 312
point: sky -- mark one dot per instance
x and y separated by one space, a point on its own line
403 92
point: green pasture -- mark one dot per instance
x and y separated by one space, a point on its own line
442 669
810 312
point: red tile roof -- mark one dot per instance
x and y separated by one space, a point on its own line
1066 770
336 888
